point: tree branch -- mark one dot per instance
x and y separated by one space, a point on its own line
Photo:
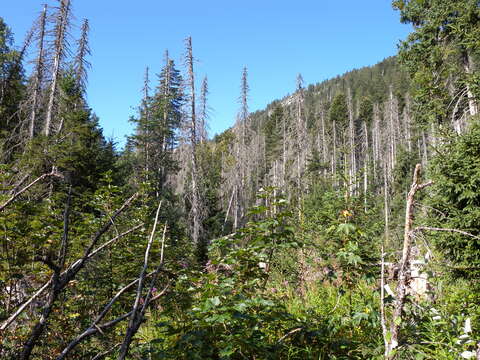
12 318
59 282
429 228
136 316
16 195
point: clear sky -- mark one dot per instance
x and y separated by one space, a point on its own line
275 39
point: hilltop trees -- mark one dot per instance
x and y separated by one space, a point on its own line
441 55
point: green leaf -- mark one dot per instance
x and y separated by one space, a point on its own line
398 321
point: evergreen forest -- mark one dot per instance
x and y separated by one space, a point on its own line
340 222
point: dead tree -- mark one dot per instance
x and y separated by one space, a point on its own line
352 168
62 23
301 132
81 65
203 115
392 337
241 164
196 206
468 65
145 117
39 71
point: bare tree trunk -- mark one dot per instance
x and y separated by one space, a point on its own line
334 159
352 169
366 164
61 27
146 116
39 68
300 138
385 204
403 275
81 64
406 119
202 131
324 144
375 141
196 205
469 69
425 149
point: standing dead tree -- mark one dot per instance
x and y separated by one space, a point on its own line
240 152
39 71
62 23
301 134
81 65
196 203
203 115
391 337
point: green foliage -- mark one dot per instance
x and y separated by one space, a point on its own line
456 198
156 134
224 312
11 92
366 110
273 131
338 111
342 231
442 48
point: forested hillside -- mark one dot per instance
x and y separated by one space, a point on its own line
341 222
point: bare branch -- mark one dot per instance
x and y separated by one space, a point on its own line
59 282
429 228
105 353
12 318
136 316
40 178
94 326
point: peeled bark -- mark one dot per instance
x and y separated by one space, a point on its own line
392 340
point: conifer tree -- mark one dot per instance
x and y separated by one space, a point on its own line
441 56
39 73
203 113
196 203
60 49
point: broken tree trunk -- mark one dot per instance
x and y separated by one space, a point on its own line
392 336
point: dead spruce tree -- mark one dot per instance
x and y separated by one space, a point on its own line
239 172
81 65
203 113
391 329
196 210
301 134
38 75
60 49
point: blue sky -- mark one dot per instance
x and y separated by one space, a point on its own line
275 39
